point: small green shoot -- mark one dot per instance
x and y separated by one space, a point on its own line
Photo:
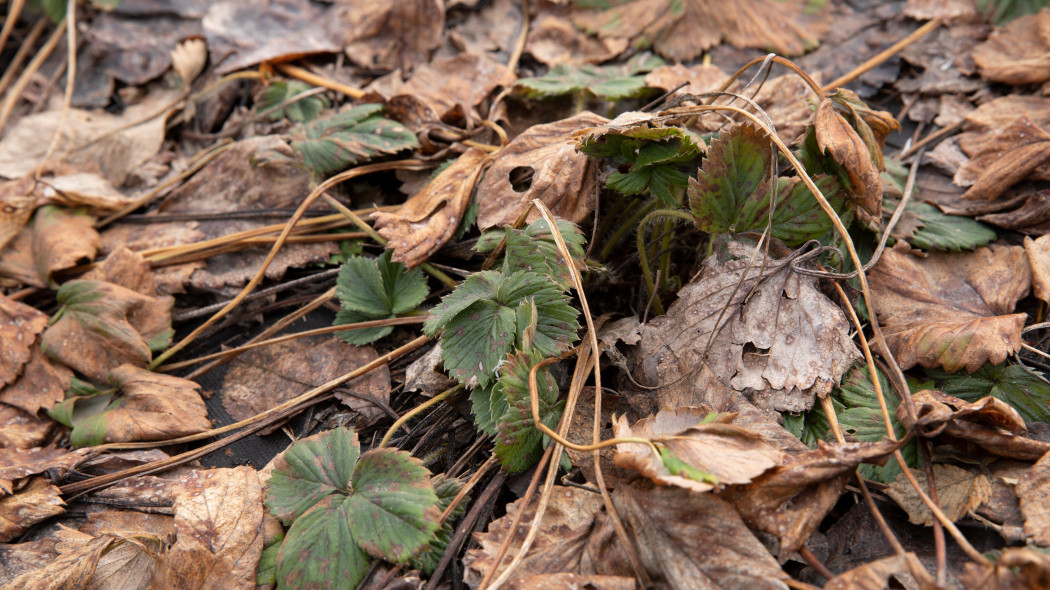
300 111
375 289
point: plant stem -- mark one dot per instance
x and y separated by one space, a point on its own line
643 255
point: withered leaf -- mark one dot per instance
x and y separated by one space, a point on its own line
877 574
218 519
429 218
777 336
553 41
561 178
680 31
450 88
19 325
840 140
1038 251
391 35
16 207
36 501
1002 158
1033 491
730 453
18 463
789 501
41 384
958 492
1018 52
72 569
21 430
951 310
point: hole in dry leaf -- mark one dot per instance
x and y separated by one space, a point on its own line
750 348
521 178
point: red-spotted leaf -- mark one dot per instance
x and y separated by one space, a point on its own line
310 470
319 550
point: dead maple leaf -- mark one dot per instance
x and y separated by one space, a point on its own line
951 310
878 573
732 454
681 31
19 326
1017 53
263 378
1033 491
37 500
1038 251
777 337
551 169
218 519
429 218
958 492
790 500
837 138
399 34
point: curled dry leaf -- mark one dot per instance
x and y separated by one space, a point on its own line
776 337
452 87
1017 568
958 492
1000 159
877 574
16 207
391 35
837 138
73 568
1038 251
19 326
1033 491
732 454
790 500
218 519
429 218
554 41
951 310
553 172
36 501
16 463
41 384
57 239
188 59
681 31
1017 53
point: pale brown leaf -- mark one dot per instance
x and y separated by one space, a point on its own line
36 501
18 463
19 326
19 430
553 40
391 35
72 569
42 384
1033 490
1018 52
1000 159
154 407
838 139
876 575
958 492
1038 251
951 310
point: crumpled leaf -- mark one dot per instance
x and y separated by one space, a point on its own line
837 138
447 89
561 178
1001 158
553 40
376 289
1033 491
218 519
680 31
482 322
41 384
72 569
130 270
19 326
779 337
958 492
422 225
391 35
790 500
951 310
1038 251
56 239
878 573
1018 52
728 453
37 500
1025 390
152 406
358 134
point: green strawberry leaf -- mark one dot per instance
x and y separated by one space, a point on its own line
375 289
735 170
266 572
393 511
446 489
480 322
518 443
534 249
302 110
320 551
861 417
1027 391
482 405
310 470
359 134
608 82
930 229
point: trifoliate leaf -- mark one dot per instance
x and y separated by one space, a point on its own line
518 443
1027 391
331 144
446 489
375 289
279 91
393 511
311 469
320 551
609 82
534 249
735 170
480 322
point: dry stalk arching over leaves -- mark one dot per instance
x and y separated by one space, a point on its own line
501 294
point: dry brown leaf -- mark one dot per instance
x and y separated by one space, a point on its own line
779 339
425 374
81 189
554 172
399 34
16 207
698 78
789 501
731 453
878 574
130 270
1017 568
19 326
557 548
1000 159
1038 251
565 581
1033 491
72 569
429 218
554 41
41 384
1018 52
942 9
19 558
16 463
491 29
124 142
218 519
19 430
958 492
951 310
263 378
837 138
37 500
681 31
154 407
450 88
242 33
129 522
